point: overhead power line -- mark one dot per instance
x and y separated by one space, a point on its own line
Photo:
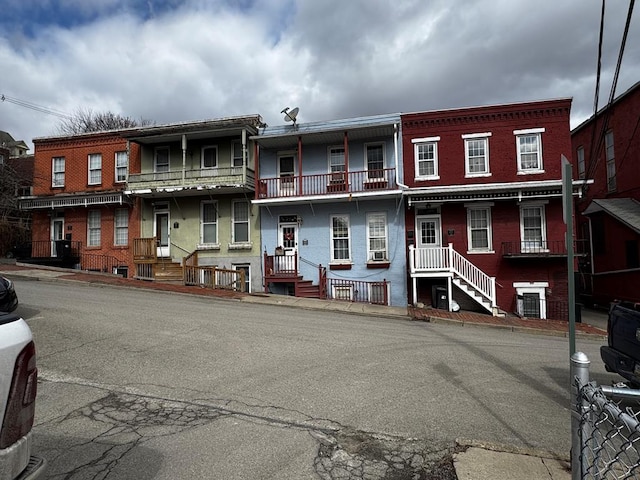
33 106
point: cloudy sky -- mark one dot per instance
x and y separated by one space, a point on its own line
181 60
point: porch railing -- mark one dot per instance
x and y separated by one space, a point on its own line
50 248
216 176
447 260
98 263
144 249
213 277
281 266
358 291
327 183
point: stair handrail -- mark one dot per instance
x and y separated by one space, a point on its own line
483 283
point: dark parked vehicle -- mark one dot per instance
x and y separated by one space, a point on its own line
622 354
8 297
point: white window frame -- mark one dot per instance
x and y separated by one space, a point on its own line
337 290
202 157
121 166
163 165
121 226
210 245
235 222
611 161
94 228
529 133
95 169
582 167
418 143
57 171
331 156
378 173
237 160
485 207
543 228
333 238
382 285
371 217
476 137
533 287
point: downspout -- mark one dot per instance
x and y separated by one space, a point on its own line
256 169
395 147
299 165
184 157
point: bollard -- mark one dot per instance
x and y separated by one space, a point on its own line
579 373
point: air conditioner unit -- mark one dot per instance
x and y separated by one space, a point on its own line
378 255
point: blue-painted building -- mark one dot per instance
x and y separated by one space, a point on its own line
331 209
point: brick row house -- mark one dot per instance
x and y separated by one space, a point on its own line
607 152
484 219
449 208
81 216
331 209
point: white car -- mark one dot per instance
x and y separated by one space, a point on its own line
18 386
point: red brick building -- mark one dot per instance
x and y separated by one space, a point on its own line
484 219
607 152
81 217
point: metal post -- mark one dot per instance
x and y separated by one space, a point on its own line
579 373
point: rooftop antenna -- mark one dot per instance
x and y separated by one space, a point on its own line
290 115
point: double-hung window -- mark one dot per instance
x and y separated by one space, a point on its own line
121 227
57 172
240 222
209 157
375 161
93 228
529 150
95 169
209 223
476 152
236 152
582 168
425 152
533 228
340 239
611 162
479 228
122 166
377 237
161 160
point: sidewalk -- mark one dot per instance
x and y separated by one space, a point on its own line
477 461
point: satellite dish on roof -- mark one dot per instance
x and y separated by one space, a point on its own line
290 116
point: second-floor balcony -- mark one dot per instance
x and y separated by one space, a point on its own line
327 184
218 178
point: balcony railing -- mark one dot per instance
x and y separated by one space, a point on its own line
539 248
327 183
219 176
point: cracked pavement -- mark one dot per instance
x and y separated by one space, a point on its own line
122 422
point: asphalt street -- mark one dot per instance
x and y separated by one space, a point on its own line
143 384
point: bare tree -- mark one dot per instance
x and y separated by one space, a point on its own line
14 223
85 120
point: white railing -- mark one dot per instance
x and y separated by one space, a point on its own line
446 259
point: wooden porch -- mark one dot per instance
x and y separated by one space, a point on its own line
151 267
281 268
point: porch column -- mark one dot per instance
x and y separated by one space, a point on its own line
449 293
346 160
415 291
256 169
184 156
300 165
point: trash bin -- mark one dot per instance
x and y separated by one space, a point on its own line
439 297
63 248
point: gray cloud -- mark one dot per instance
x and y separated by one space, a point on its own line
173 60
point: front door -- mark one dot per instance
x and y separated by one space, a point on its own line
286 175
57 231
429 237
162 233
288 240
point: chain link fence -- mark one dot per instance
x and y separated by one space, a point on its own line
605 424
